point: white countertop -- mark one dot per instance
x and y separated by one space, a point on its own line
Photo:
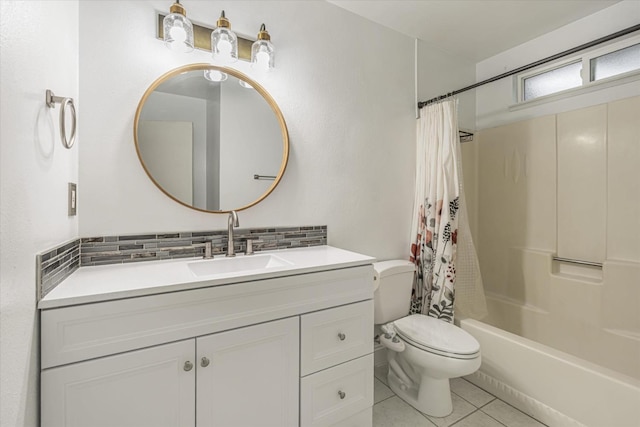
116 281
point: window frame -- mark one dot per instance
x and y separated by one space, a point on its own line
585 73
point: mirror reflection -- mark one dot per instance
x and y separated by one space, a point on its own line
211 138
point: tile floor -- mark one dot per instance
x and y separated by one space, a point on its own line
472 407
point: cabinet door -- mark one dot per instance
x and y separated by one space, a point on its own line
249 377
150 387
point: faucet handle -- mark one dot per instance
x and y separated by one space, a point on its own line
207 250
250 243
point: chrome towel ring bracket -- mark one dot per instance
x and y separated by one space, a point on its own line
51 101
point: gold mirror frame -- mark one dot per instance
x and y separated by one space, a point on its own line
272 103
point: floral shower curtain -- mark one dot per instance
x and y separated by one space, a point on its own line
439 222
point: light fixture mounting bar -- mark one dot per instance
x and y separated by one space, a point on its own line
202 39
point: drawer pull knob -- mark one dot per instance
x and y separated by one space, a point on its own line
342 394
204 362
342 336
188 366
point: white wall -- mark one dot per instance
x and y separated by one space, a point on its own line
349 109
493 100
38 51
440 73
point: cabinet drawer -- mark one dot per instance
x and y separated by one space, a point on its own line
335 394
334 336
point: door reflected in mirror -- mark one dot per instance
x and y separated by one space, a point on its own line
208 144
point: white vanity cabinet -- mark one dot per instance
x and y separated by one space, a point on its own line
243 377
283 351
140 388
249 376
336 364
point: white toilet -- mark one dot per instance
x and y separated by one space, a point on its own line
423 352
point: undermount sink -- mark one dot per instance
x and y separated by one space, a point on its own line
236 265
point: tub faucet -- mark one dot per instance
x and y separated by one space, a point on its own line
232 222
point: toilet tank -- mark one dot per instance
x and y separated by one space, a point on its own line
392 283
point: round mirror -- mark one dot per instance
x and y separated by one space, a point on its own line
211 138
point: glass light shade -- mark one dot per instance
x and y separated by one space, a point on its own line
178 32
224 45
215 75
262 55
245 84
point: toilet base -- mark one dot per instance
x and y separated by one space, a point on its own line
432 396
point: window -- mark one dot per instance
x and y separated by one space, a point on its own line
607 63
556 80
614 63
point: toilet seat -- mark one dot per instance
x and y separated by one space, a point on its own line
437 336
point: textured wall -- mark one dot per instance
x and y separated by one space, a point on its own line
39 51
344 85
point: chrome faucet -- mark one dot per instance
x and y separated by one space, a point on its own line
233 222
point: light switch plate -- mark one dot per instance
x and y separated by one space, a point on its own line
73 199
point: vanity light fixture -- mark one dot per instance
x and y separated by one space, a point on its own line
262 51
244 84
215 75
178 30
224 42
225 46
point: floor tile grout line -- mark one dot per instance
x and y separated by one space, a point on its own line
425 417
513 407
386 398
466 416
492 400
476 408
495 419
472 404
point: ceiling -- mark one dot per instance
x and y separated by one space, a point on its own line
474 29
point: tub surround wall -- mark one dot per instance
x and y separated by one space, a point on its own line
582 183
538 180
55 265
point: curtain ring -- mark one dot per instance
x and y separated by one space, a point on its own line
51 100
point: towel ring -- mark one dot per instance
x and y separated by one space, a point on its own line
51 101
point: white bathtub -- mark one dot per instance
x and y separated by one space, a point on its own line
554 387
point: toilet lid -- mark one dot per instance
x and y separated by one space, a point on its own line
437 336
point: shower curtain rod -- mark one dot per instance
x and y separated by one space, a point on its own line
535 64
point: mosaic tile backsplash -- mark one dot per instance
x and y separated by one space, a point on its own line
54 265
